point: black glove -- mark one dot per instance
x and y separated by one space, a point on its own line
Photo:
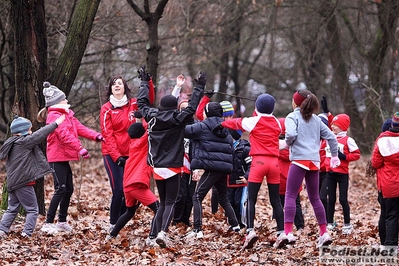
209 93
121 161
217 128
201 79
324 104
143 75
341 156
138 114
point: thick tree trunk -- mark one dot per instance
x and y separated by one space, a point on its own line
78 36
30 65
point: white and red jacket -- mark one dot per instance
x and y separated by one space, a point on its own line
347 146
63 143
385 158
264 130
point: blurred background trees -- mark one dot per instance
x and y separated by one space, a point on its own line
344 50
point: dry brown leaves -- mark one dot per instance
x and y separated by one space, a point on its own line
89 218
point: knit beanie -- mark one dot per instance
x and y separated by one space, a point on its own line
228 109
265 103
342 121
387 125
20 125
136 130
168 102
213 109
300 96
395 120
52 94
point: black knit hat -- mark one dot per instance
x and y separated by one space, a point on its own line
213 109
168 102
136 130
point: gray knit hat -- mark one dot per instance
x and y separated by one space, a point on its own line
52 94
20 125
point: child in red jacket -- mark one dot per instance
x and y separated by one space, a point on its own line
348 151
136 181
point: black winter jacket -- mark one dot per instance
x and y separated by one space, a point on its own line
25 161
166 128
241 162
211 151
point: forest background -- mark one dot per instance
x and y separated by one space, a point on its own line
344 50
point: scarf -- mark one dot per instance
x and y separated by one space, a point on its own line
118 103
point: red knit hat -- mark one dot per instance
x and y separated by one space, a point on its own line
342 121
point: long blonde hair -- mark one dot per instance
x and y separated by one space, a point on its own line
42 115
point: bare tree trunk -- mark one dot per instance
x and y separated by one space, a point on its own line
78 36
151 19
341 76
30 65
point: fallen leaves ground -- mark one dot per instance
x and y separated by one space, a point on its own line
89 218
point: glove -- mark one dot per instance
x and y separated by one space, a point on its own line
209 93
341 156
121 161
217 128
100 138
84 153
201 79
335 162
138 114
324 105
143 75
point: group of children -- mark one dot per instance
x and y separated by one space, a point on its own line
188 158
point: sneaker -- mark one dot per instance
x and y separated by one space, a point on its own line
236 229
250 239
150 242
3 234
109 237
63 227
25 235
195 233
161 239
330 227
347 229
324 240
281 241
111 227
49 228
291 238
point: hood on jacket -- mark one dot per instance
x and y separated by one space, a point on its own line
5 149
213 123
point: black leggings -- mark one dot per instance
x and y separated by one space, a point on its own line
129 214
63 189
274 197
333 179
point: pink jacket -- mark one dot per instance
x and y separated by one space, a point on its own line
63 144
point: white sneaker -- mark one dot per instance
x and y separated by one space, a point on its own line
281 241
49 228
347 229
161 239
324 240
291 238
195 234
150 242
250 239
3 234
330 227
111 227
63 227
25 235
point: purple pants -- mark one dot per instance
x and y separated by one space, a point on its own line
294 182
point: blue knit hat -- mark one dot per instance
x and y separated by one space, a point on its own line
20 125
387 125
228 109
265 103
